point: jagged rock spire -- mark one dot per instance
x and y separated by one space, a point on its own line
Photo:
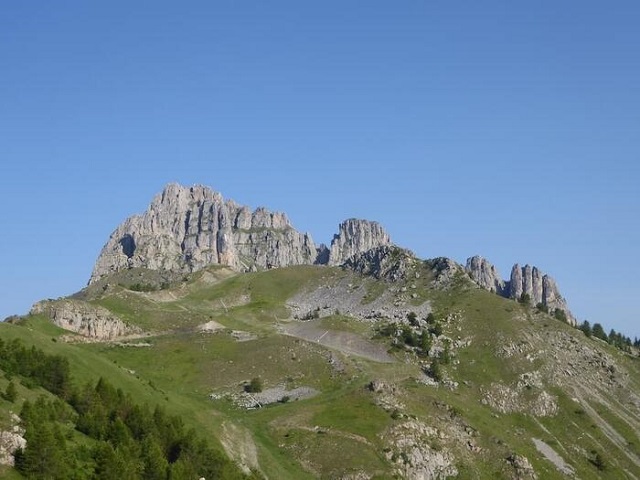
356 236
485 274
188 228
539 288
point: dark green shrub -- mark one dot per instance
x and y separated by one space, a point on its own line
560 314
254 386
11 394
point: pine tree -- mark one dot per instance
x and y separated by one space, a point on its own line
11 394
155 465
425 342
183 469
115 464
586 328
435 370
598 332
44 455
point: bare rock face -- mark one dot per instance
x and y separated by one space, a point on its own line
522 468
485 274
409 450
388 262
84 318
541 289
356 236
445 271
525 282
11 441
188 228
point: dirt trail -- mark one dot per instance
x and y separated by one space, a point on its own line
239 445
551 455
346 342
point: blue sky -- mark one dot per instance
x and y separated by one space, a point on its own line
506 129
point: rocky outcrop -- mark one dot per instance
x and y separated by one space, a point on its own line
11 441
485 274
526 283
540 289
522 468
188 228
445 271
408 448
83 318
388 262
356 236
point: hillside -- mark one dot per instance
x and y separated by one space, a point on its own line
380 365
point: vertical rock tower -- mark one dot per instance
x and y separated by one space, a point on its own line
541 289
356 236
485 274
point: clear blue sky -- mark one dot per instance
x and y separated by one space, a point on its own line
506 129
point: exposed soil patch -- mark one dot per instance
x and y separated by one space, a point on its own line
345 342
551 455
210 327
242 336
239 445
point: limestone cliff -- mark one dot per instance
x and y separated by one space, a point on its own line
387 261
541 289
11 440
84 318
485 274
354 237
188 228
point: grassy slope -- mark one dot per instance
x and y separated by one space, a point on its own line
193 365
339 430
492 320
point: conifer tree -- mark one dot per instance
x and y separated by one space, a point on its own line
11 394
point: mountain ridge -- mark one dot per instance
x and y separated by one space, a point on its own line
373 363
186 229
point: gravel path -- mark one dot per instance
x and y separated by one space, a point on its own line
346 342
551 455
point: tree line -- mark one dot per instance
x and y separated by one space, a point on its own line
98 432
614 338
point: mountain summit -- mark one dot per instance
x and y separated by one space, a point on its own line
188 228
356 360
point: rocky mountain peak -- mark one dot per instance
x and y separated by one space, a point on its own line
356 236
386 261
485 274
526 282
187 228
540 289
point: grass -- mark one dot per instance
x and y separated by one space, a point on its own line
630 435
357 414
374 289
346 324
180 370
